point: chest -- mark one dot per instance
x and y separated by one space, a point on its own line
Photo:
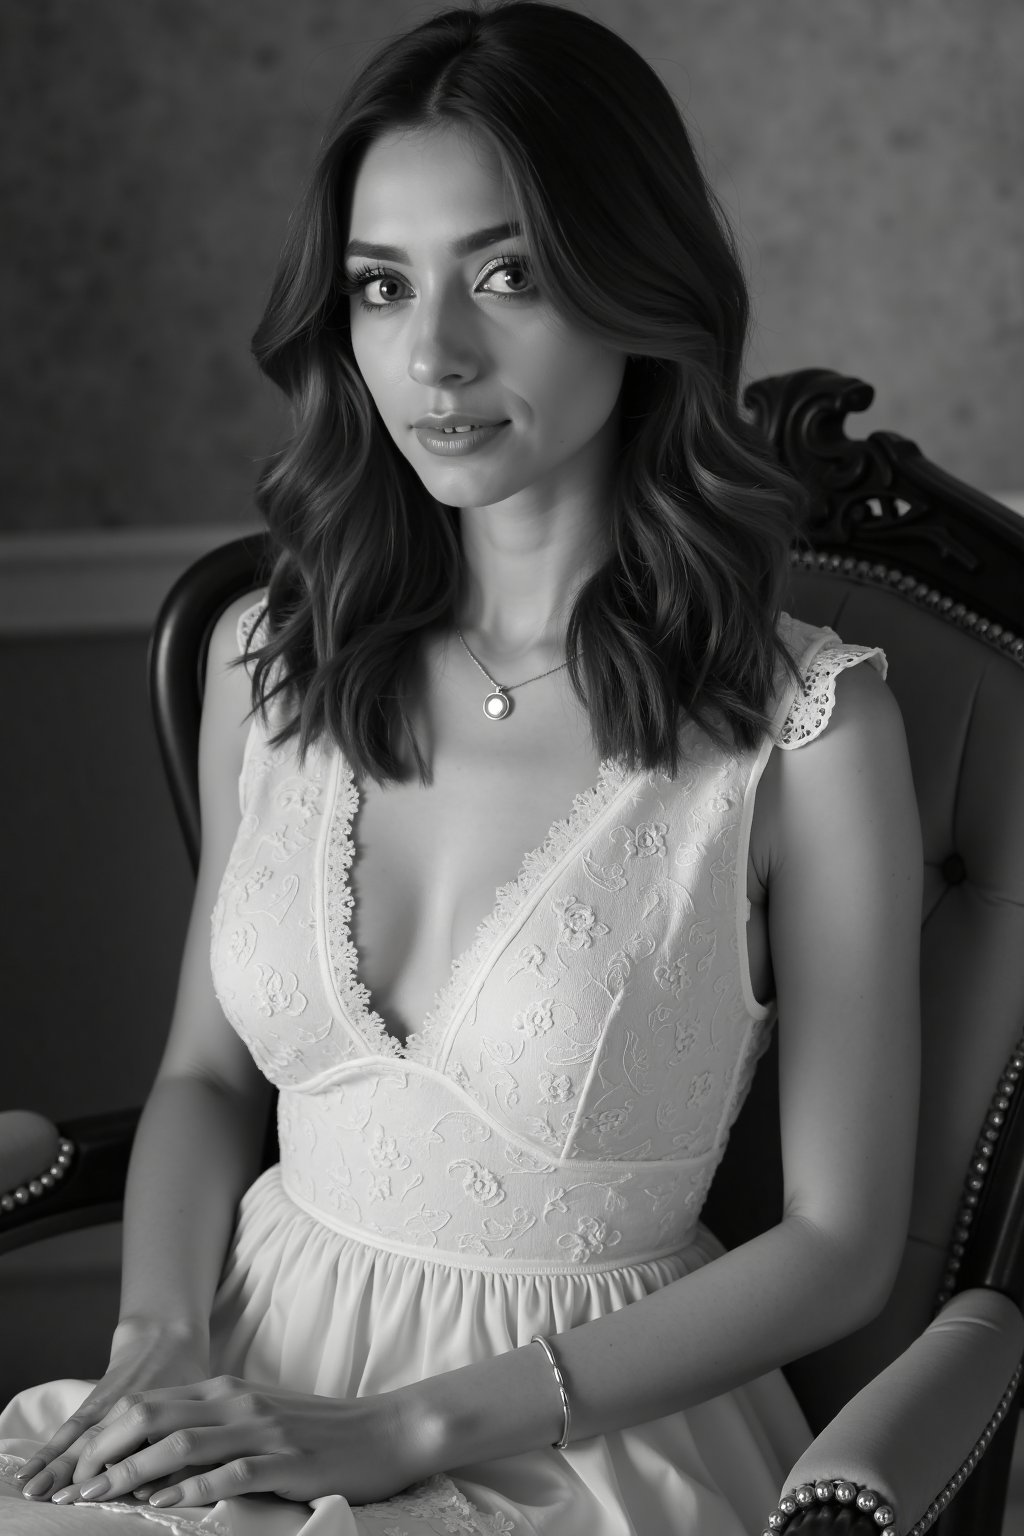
429 859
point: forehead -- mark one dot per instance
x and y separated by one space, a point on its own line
427 183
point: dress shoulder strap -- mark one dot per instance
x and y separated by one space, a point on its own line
805 707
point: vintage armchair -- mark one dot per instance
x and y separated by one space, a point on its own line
897 553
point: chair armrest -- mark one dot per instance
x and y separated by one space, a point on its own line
913 1429
91 1188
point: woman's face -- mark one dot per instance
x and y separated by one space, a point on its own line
446 323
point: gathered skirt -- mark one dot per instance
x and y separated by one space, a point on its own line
305 1306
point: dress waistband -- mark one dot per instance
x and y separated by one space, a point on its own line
601 1255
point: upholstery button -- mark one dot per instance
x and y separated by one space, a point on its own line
953 869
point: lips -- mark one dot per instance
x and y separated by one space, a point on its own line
454 421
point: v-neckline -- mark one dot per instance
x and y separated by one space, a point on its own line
336 902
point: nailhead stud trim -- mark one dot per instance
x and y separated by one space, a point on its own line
32 1189
874 573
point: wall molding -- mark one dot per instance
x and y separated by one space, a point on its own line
101 581
113 580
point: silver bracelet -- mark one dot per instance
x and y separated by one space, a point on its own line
563 1394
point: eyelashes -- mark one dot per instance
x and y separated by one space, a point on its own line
360 279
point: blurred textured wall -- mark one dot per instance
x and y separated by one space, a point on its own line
869 153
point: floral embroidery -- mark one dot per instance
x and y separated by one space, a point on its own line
699 1088
257 880
609 877
579 924
610 1122
647 840
555 1090
384 1151
541 1128
426 1224
531 958
591 1237
278 994
479 1182
536 1020
617 974
380 1186
673 977
242 944
686 1039
302 796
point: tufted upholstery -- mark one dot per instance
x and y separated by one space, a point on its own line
963 708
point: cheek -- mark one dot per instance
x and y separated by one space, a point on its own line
373 361
582 383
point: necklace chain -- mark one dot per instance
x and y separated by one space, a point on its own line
497 704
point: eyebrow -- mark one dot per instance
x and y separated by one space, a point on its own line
464 246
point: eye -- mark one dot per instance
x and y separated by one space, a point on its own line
511 271
376 287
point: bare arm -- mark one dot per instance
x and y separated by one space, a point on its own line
199 1139
844 909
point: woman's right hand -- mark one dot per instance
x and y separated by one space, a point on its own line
144 1354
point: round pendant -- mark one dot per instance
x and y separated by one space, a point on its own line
497 706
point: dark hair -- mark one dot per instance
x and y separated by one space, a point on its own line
626 239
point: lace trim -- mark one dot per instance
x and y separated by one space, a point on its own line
337 904
812 706
247 622
422 1044
439 1499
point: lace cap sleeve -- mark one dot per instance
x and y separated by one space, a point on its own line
253 618
811 706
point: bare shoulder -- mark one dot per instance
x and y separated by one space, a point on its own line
224 635
855 774
852 781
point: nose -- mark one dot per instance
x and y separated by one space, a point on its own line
443 345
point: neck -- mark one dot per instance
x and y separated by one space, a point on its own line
521 576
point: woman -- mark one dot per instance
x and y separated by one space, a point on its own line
530 563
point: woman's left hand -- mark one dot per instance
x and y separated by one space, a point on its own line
220 1438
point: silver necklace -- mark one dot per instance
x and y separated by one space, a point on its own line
497 704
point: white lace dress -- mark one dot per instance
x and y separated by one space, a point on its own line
535 1157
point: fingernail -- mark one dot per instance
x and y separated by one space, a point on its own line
97 1489
40 1484
64 1496
164 1497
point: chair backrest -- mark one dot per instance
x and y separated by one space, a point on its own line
902 555
177 663
898 553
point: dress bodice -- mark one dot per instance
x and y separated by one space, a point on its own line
567 1100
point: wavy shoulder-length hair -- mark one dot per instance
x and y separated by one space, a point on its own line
625 238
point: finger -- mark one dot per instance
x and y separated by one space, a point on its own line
248 1474
145 1419
57 1475
171 1458
68 1438
146 1490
